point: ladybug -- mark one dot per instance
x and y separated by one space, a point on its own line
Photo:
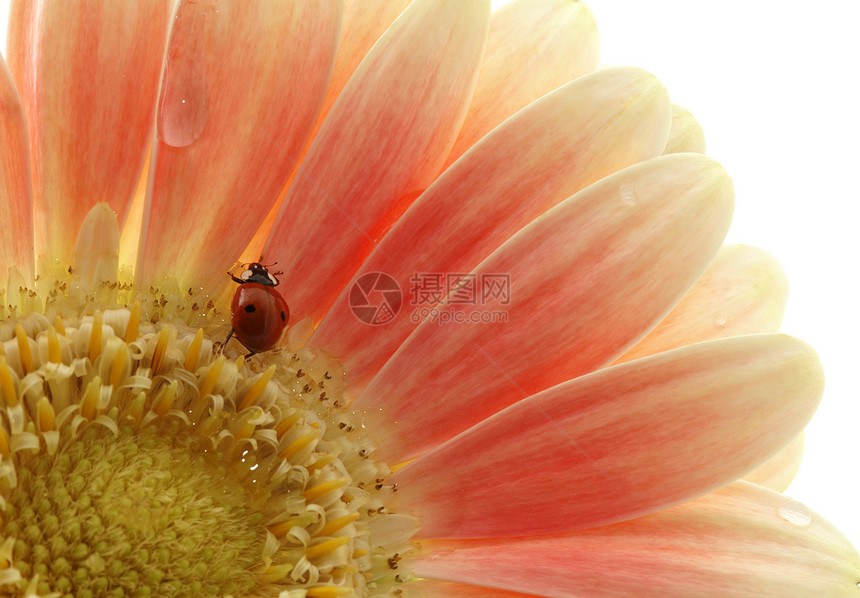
259 314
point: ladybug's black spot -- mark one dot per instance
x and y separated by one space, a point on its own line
283 317
250 308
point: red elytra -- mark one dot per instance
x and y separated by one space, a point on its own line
259 313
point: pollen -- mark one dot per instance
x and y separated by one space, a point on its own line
138 459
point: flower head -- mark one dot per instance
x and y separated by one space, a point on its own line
515 359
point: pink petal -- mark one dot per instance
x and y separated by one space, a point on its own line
743 291
534 46
570 138
16 201
384 139
88 73
740 542
618 443
364 22
242 89
434 588
778 472
586 279
686 134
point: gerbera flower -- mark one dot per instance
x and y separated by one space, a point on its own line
518 361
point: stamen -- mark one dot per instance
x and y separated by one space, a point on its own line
288 422
58 324
96 336
46 414
297 445
246 425
257 389
24 352
90 401
277 572
55 353
337 524
7 383
324 488
132 328
117 370
281 528
165 399
135 410
328 592
209 426
161 348
4 443
326 459
326 547
6 550
194 351
211 378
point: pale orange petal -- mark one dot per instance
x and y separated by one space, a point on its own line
740 542
129 242
384 139
686 135
97 246
618 443
778 472
586 279
743 291
534 46
364 22
434 588
16 202
572 137
243 85
88 73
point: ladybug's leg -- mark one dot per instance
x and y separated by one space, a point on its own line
250 355
227 340
239 280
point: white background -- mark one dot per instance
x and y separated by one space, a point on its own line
774 83
775 86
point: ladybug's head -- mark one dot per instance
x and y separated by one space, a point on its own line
257 272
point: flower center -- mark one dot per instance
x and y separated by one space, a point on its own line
138 514
136 459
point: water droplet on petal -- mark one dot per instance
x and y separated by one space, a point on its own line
795 512
184 103
720 319
628 195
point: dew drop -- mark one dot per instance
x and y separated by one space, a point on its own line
183 107
628 195
795 512
720 319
